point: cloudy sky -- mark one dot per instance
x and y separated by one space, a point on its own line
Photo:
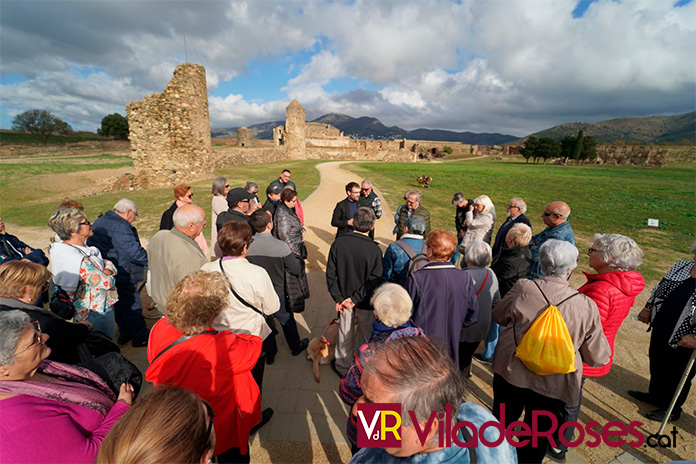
510 66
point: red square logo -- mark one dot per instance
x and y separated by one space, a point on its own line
379 425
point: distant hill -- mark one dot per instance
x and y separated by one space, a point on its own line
650 130
373 129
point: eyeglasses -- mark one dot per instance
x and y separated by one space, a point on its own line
86 223
354 192
45 286
513 206
190 195
211 417
545 214
37 340
227 185
366 189
592 250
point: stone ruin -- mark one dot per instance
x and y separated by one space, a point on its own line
170 132
244 137
631 155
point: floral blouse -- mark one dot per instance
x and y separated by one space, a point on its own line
96 290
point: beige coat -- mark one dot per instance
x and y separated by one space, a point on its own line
477 228
516 313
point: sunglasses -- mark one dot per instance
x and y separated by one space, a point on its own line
365 190
545 214
227 185
190 195
86 223
211 418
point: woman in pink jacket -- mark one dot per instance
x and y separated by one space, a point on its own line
614 289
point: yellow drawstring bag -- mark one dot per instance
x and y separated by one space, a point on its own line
547 348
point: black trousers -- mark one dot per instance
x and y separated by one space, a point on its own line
466 353
289 328
517 400
667 366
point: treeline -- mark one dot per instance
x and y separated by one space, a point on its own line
42 124
578 148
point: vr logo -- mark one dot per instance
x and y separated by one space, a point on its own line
379 425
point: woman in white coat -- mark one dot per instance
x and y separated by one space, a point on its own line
479 227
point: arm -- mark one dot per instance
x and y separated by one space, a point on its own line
377 207
332 277
265 293
481 221
595 350
337 219
37 256
125 240
502 312
63 334
374 280
426 216
243 350
388 264
292 262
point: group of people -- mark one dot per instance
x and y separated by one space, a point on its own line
410 322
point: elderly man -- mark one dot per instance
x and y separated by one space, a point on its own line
413 371
555 217
12 248
515 215
173 254
344 210
397 258
284 180
369 199
515 387
118 241
238 201
353 272
413 208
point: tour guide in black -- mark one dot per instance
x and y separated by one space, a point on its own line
345 209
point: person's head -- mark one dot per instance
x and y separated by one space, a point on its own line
220 186
363 219
273 192
127 209
285 176
234 238
196 300
289 197
478 254
441 245
483 204
167 424
353 191
415 225
261 221
612 252
189 219
557 258
70 223
183 193
23 280
516 207
421 377
22 345
72 204
239 199
555 213
392 304
366 187
413 199
458 199
519 235
252 187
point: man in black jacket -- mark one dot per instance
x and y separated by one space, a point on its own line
515 215
369 199
12 248
345 209
238 202
353 272
272 198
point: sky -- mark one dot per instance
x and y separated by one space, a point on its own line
507 66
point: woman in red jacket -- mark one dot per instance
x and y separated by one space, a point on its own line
614 289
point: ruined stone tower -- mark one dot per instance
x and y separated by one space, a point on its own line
170 132
295 128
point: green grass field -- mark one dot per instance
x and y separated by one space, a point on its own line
25 138
603 199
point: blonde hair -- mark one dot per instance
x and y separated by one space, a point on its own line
17 276
66 221
196 301
485 201
520 235
165 425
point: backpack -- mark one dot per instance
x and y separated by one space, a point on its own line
547 347
416 260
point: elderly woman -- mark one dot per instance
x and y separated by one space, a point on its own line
165 425
288 228
670 312
51 412
444 297
184 196
392 309
515 387
476 258
479 227
416 373
220 189
186 351
81 271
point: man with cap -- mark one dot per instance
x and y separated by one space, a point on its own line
238 202
272 198
396 259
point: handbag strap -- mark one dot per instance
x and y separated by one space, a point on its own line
547 300
236 295
181 340
484 284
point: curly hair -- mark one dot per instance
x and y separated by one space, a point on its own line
180 190
196 301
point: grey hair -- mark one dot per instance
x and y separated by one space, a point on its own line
520 235
619 252
368 182
392 303
416 225
693 247
185 216
558 257
419 374
124 204
478 253
457 198
219 185
488 206
520 203
415 192
65 221
12 326
250 185
363 219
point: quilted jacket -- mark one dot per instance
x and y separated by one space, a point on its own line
614 293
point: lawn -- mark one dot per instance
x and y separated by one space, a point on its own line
25 138
603 199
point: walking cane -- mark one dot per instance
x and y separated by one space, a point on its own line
689 365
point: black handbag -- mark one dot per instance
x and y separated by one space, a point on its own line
59 302
116 370
96 344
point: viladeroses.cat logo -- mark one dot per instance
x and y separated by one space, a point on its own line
379 425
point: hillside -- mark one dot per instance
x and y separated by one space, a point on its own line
650 130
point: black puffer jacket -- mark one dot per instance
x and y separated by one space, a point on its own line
288 228
511 265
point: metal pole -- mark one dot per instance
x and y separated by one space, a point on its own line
689 365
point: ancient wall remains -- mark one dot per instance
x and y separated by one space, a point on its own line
295 130
631 155
244 137
170 132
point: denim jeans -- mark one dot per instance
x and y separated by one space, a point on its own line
104 322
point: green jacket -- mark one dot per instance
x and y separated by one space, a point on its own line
403 215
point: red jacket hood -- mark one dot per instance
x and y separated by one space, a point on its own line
630 283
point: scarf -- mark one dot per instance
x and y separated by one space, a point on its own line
66 261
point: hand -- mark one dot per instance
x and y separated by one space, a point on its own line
461 234
108 272
348 303
89 325
350 222
471 207
304 232
27 250
339 308
644 316
688 341
126 394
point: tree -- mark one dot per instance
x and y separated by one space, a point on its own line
530 147
577 149
567 147
114 125
589 149
63 127
38 122
548 149
447 149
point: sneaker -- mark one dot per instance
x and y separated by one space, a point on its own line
266 415
152 313
303 346
658 415
556 455
479 357
269 360
139 343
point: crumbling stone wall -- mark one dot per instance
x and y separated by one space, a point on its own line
631 155
244 137
170 132
295 130
316 130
